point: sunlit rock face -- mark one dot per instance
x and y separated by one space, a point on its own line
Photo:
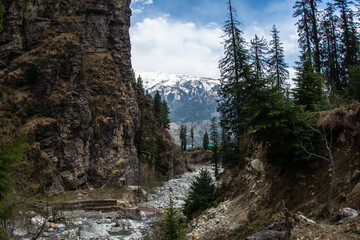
66 81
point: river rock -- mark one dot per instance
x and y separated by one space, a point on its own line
59 226
345 215
135 214
20 232
37 221
267 235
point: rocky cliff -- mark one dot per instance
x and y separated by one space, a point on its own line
66 81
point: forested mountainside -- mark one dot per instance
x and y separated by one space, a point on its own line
66 82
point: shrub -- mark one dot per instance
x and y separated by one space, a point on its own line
283 129
169 227
201 193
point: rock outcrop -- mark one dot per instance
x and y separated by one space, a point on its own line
66 81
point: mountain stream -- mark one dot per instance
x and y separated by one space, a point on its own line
83 225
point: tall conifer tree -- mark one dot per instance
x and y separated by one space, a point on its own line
330 49
278 71
165 121
236 75
258 51
205 140
349 40
214 136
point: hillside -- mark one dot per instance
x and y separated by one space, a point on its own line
252 198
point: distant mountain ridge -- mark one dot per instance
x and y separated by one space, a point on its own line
191 100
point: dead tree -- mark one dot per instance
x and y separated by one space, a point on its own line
326 137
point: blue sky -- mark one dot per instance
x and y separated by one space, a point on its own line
184 36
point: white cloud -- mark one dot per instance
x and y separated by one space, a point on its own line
143 1
161 44
137 6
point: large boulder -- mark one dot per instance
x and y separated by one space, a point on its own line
257 165
345 215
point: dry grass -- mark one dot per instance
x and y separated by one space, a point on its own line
343 117
33 123
324 231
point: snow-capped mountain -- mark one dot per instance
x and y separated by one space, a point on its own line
189 99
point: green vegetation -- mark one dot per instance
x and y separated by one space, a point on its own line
192 136
354 82
151 141
283 128
161 110
170 226
139 83
278 72
201 193
214 136
10 156
205 140
183 136
255 102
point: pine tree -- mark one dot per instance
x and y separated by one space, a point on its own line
201 193
330 49
236 76
315 37
205 140
165 121
170 226
183 136
214 136
349 39
309 85
308 31
157 105
258 51
10 156
275 117
354 83
302 12
278 71
139 83
229 155
192 136
309 81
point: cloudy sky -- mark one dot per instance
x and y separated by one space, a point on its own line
184 36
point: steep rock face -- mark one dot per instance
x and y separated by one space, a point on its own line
66 82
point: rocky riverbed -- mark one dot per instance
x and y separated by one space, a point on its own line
129 223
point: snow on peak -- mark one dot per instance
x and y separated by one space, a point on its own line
152 79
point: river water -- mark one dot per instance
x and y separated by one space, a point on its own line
83 225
